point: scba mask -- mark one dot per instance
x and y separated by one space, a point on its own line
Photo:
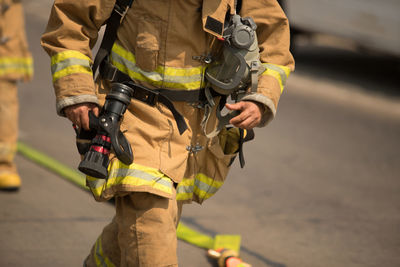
239 66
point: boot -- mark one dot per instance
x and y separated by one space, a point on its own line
9 181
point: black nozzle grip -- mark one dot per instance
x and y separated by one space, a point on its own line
121 147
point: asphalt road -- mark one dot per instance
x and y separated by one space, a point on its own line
320 188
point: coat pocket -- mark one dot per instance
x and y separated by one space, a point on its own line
213 167
218 160
148 44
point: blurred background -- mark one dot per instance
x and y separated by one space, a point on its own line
321 184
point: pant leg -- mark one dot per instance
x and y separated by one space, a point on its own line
105 252
8 125
147 230
142 233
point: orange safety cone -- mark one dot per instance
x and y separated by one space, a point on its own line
227 258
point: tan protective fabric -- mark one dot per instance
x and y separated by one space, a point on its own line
142 233
15 64
162 33
170 34
156 142
15 58
8 125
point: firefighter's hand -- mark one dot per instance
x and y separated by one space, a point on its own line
250 114
79 114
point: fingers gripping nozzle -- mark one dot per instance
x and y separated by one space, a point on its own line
108 134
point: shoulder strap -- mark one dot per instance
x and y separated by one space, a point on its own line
110 35
238 5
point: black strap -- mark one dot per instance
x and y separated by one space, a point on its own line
141 93
191 96
238 6
107 71
151 97
242 139
110 34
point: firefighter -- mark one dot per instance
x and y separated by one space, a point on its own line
15 65
165 46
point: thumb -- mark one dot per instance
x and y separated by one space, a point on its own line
235 106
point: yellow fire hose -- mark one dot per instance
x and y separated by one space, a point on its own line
217 246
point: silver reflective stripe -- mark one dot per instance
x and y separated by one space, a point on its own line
185 189
95 183
69 62
205 187
15 65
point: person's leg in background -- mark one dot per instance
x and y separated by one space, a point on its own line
9 178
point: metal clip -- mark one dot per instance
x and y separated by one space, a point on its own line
194 149
121 12
207 59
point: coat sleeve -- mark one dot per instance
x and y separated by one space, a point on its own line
274 40
70 35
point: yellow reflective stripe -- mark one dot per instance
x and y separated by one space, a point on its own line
71 70
205 183
67 55
184 196
279 72
124 53
184 190
96 185
100 259
70 62
7 152
167 77
201 194
202 186
16 61
131 175
19 65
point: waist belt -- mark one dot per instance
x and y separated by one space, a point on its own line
152 96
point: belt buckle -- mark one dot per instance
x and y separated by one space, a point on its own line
149 97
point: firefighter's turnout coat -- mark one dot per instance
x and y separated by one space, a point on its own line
161 44
15 58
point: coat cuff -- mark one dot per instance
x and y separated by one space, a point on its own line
269 111
73 100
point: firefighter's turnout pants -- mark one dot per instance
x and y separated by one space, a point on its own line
143 230
8 125
16 64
